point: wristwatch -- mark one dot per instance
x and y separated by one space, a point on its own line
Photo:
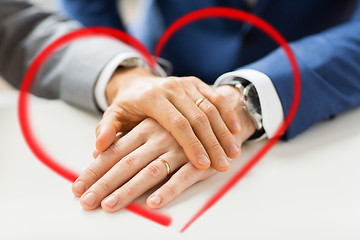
250 103
132 62
161 69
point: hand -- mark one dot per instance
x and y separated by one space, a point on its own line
132 165
203 132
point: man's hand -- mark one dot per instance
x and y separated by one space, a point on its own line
201 130
132 165
233 97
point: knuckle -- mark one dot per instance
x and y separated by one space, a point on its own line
103 185
171 83
92 174
129 161
180 122
214 145
188 80
165 138
111 113
194 143
130 191
148 93
192 79
153 170
149 124
149 121
180 80
225 134
200 118
113 149
184 177
210 110
170 191
219 99
119 112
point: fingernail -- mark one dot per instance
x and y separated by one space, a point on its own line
89 199
79 187
203 160
236 126
234 148
223 162
111 201
155 199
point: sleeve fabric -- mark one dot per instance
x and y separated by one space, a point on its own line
329 63
71 72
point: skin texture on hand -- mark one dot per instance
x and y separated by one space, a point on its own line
233 97
132 165
204 131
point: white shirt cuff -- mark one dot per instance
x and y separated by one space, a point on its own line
108 71
271 108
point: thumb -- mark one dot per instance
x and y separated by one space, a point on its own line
106 130
96 153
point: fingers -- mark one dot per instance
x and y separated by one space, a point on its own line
201 132
202 128
124 145
102 164
107 129
96 153
119 174
154 173
185 177
173 121
224 136
228 114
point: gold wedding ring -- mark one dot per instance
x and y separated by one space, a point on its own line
199 101
166 165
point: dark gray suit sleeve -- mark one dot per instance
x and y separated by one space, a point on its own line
71 72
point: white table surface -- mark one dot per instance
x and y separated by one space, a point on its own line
308 188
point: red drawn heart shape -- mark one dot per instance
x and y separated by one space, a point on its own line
215 12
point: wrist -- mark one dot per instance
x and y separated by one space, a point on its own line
122 79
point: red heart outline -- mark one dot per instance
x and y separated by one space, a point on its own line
219 12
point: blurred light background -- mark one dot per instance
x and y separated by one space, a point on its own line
128 9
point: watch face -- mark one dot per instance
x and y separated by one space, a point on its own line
253 100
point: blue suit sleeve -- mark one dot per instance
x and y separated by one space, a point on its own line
94 13
330 74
